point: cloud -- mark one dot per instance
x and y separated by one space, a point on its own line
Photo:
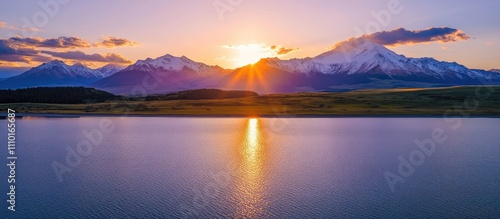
402 36
10 53
111 42
7 26
8 65
262 48
69 42
60 42
282 50
81 56
29 49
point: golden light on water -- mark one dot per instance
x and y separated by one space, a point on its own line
252 140
252 158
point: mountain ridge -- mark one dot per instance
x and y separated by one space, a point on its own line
171 63
57 73
355 63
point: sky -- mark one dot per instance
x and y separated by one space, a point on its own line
233 33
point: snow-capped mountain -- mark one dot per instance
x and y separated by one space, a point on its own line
78 69
359 56
175 64
353 64
110 69
495 70
55 73
163 74
356 55
356 63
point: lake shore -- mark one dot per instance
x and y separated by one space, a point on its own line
442 102
77 115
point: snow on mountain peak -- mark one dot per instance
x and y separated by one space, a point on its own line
58 68
110 69
52 64
359 50
305 65
173 63
360 55
350 56
55 66
495 70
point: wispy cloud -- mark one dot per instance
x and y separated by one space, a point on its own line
7 26
265 50
81 56
8 64
402 36
282 50
111 42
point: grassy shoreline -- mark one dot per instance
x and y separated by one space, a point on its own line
434 102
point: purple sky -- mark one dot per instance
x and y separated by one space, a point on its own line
231 33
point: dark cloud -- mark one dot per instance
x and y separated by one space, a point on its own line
81 56
13 54
68 42
5 48
60 42
27 50
282 50
402 36
116 42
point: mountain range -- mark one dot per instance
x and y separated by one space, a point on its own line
58 73
356 63
359 63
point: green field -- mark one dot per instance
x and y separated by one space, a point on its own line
463 101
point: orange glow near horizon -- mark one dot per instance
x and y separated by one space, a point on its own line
250 79
249 57
250 53
239 34
247 54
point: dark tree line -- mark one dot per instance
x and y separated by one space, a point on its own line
61 95
202 94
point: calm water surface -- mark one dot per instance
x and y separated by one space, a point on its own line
255 168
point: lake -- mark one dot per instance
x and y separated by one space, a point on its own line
171 167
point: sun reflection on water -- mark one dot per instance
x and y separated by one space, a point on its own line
250 185
252 139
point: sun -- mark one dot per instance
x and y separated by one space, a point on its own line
251 53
